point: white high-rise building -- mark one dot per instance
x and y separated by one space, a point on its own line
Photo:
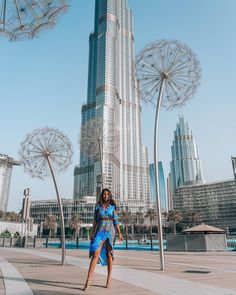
112 96
185 167
6 164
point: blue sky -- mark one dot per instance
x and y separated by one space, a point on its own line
44 82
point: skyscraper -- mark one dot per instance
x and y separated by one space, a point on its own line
162 185
112 99
185 166
6 164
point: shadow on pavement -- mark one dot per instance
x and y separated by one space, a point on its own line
49 283
46 292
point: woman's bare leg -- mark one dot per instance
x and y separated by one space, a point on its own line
92 266
109 264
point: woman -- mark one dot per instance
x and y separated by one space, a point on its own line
103 235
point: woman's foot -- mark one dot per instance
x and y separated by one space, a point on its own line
86 286
108 285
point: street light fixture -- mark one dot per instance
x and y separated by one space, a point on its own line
44 152
25 215
24 19
168 74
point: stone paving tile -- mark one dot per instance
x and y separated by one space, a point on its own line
48 277
217 269
213 268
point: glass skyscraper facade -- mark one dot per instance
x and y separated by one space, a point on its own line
185 167
162 185
112 97
214 201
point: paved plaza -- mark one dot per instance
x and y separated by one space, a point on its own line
38 271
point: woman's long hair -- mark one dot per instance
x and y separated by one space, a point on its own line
111 200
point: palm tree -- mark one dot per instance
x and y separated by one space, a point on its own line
126 218
75 224
175 217
11 216
139 218
152 216
194 217
50 223
165 215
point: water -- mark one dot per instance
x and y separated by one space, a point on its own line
132 245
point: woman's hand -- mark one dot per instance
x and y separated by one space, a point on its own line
91 237
120 238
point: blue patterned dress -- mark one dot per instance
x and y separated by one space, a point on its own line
106 220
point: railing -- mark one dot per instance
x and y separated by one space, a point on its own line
142 242
131 242
231 242
9 242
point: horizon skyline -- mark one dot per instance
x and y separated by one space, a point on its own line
50 88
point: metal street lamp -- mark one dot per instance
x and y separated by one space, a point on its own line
96 145
168 74
25 215
44 152
25 19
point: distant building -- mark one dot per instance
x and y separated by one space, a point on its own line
152 183
6 164
169 193
185 167
112 96
16 227
215 201
83 207
162 185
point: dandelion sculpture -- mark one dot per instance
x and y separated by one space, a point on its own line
96 144
25 19
168 74
44 152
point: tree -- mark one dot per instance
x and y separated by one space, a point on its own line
139 219
126 218
194 217
50 223
11 216
165 215
175 217
5 234
152 216
75 224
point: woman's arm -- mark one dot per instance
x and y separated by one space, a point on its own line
119 233
117 225
95 220
93 230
